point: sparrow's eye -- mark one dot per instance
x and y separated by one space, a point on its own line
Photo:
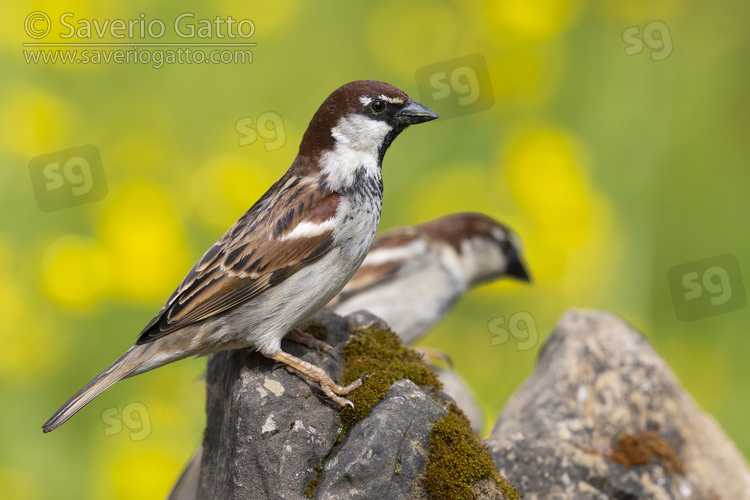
507 246
377 106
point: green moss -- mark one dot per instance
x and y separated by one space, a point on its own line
310 490
508 490
381 356
458 460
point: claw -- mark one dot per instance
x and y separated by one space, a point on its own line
316 374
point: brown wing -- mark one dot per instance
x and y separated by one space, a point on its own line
373 272
252 256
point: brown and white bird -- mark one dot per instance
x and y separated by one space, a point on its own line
414 275
289 254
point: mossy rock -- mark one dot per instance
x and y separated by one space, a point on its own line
382 358
460 466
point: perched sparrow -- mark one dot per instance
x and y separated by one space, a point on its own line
414 275
289 254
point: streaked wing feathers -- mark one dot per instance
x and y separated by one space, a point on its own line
257 252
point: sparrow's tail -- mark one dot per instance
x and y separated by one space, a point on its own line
133 362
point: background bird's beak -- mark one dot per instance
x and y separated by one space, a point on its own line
517 270
415 112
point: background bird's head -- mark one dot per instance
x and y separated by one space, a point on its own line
486 249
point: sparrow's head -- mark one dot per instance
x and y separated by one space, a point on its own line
362 117
485 248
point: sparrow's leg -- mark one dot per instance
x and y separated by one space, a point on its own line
315 374
306 339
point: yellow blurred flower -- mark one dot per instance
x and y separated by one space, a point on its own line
75 271
31 345
225 186
136 470
531 21
525 61
544 171
19 483
268 17
593 266
143 238
11 26
35 122
570 234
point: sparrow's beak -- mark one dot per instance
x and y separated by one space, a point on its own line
516 269
415 112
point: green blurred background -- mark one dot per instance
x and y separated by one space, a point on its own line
613 168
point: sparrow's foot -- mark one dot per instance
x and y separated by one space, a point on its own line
317 375
306 339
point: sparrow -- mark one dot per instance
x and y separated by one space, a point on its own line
288 255
412 276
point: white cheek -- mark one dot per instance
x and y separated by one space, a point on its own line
358 141
480 259
360 133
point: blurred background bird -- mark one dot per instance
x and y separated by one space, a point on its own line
414 275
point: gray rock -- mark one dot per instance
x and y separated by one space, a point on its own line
384 455
597 379
267 429
269 434
455 386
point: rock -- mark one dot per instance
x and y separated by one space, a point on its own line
270 434
455 386
266 429
602 397
384 455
